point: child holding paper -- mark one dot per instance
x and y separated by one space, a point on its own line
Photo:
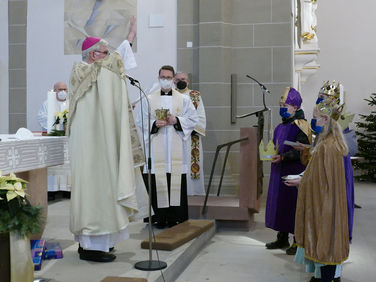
281 202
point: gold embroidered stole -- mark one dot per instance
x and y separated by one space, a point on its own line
159 155
195 141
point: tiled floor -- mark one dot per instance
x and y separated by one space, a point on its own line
231 255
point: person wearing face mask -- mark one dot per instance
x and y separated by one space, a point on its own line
322 228
170 135
195 180
331 92
58 177
61 103
281 202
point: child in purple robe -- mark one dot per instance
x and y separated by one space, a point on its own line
281 201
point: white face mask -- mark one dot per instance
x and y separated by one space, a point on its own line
62 95
165 83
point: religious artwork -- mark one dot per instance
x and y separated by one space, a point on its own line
107 19
305 40
305 23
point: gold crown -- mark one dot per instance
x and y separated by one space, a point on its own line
331 89
271 150
330 108
284 95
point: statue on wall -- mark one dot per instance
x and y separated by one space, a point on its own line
305 40
305 23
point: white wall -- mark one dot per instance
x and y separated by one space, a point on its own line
4 66
346 33
46 62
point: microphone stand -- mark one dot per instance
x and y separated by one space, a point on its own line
147 265
260 131
259 114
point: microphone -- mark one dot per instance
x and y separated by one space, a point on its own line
264 89
132 80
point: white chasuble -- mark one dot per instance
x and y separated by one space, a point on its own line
105 151
168 145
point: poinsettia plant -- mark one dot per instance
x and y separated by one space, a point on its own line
16 213
60 122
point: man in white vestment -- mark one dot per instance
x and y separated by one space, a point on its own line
173 118
107 186
195 178
58 178
60 104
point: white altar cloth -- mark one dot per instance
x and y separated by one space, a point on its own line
38 152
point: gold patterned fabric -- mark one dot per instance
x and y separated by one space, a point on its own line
83 77
103 149
321 225
195 141
304 126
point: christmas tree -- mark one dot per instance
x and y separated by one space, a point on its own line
367 143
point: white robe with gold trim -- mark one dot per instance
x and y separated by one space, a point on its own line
106 182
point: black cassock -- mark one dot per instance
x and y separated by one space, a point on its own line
171 215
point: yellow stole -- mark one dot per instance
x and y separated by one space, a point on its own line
159 154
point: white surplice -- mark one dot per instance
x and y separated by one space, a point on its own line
187 116
58 176
197 186
43 112
126 53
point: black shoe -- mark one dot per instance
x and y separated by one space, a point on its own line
338 279
292 250
172 223
80 249
277 245
282 242
313 279
97 256
161 225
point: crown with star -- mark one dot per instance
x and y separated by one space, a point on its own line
331 89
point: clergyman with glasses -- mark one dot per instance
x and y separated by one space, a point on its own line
105 153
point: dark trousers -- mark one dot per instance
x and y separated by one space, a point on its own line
327 273
172 214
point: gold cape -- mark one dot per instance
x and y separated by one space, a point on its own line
304 126
321 225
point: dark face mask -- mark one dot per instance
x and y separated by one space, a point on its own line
181 85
